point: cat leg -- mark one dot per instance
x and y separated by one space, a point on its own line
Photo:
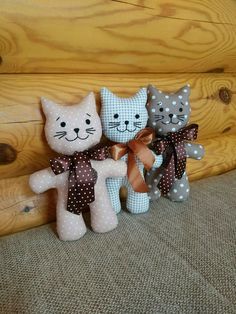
113 188
180 190
70 226
103 216
152 182
137 203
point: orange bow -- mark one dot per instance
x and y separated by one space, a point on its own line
136 148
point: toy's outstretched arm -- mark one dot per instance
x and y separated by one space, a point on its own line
158 161
194 151
114 168
42 180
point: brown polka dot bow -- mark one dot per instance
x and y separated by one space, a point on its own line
82 177
172 146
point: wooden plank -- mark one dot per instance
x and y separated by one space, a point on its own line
20 209
220 157
101 36
21 119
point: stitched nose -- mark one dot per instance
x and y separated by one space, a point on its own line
171 115
126 122
76 130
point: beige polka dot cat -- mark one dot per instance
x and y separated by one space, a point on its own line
78 177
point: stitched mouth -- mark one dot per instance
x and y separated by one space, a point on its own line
77 137
169 122
126 129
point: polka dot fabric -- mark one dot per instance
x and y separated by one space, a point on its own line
81 177
168 116
80 173
175 162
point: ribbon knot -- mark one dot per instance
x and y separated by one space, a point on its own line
82 177
172 146
136 148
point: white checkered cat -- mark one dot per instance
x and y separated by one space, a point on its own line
122 119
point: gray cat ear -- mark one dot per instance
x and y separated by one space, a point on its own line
49 106
153 92
184 91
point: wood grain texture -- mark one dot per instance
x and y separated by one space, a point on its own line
119 36
21 209
21 119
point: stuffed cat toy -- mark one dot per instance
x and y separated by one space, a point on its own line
169 115
80 173
124 121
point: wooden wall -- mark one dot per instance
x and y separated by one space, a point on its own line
120 36
63 49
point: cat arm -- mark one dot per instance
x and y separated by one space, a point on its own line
194 151
42 180
158 161
114 168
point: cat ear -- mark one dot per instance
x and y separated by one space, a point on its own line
153 92
184 91
106 94
89 102
49 107
140 96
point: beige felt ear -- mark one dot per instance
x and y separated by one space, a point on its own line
89 101
48 106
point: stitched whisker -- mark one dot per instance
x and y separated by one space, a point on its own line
60 135
113 127
137 125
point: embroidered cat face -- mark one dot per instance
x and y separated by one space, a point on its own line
72 128
123 118
168 112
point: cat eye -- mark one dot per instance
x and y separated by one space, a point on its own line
137 116
180 109
87 121
161 109
63 124
116 115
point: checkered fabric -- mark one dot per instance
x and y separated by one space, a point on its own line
122 119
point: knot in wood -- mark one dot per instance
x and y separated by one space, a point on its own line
7 154
225 95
